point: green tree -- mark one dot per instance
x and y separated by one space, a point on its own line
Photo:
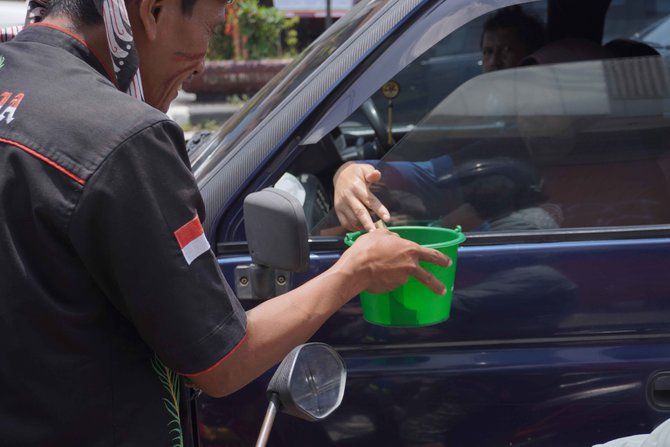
253 31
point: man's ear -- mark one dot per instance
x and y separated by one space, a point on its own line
149 11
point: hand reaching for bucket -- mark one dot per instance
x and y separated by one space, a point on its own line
353 199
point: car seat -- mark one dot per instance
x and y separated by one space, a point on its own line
630 48
574 33
571 49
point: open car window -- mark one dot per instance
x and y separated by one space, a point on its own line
572 145
576 139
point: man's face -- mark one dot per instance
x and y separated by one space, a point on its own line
502 48
178 50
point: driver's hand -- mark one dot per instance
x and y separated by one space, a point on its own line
353 198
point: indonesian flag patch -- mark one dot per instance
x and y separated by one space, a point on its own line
192 240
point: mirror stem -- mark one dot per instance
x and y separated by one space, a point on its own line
267 422
262 281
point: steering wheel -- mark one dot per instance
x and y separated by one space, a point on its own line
378 125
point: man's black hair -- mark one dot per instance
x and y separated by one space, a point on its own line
529 27
84 11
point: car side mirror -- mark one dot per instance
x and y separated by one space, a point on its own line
278 240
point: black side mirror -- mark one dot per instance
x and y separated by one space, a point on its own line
276 230
278 239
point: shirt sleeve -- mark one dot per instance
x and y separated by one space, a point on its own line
417 177
137 230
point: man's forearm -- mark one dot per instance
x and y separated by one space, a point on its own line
276 326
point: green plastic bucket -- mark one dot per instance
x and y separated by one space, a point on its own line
413 304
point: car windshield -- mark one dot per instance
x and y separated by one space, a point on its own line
657 34
238 127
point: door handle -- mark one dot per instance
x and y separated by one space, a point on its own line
659 390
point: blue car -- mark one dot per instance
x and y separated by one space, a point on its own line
558 171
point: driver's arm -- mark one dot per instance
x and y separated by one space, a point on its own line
354 199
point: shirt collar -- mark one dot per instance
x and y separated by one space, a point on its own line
55 36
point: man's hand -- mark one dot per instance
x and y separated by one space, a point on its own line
353 198
381 260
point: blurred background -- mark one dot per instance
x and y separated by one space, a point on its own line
258 38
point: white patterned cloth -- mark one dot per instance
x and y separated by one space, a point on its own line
119 38
35 10
660 437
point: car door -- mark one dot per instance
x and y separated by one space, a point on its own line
558 174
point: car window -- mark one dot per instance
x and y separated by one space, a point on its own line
572 145
627 18
577 139
426 66
437 72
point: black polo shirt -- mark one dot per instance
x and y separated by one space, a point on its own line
107 286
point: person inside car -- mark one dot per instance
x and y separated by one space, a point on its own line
111 295
508 37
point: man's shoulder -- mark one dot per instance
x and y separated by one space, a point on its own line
57 95
55 103
109 116
85 129
112 121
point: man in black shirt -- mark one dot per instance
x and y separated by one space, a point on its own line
109 292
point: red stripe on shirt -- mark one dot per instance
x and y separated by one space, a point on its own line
63 30
45 160
189 231
111 76
211 368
